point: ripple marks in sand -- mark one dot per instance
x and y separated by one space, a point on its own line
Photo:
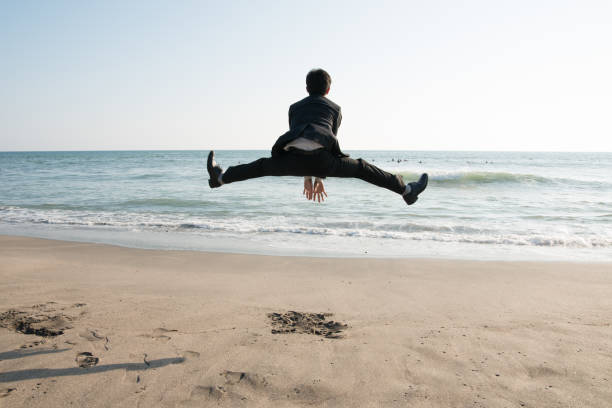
240 388
309 323
236 387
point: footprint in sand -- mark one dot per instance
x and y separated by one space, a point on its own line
235 387
162 334
209 393
4 392
86 359
159 334
190 355
91 335
236 377
95 336
542 371
32 344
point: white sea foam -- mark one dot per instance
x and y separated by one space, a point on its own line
282 226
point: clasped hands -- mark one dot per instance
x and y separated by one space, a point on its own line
314 192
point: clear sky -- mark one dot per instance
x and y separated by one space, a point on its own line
409 75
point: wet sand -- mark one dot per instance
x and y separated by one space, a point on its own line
98 326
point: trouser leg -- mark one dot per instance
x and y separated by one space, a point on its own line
361 169
321 165
284 165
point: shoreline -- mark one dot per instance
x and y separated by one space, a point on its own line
186 328
219 247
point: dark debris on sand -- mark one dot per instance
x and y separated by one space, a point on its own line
86 359
309 323
37 321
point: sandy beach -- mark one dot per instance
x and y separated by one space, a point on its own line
126 327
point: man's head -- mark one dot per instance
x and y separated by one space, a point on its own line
318 82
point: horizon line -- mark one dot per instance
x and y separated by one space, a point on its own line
244 149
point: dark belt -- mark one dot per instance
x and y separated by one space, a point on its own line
301 152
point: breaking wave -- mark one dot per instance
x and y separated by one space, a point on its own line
488 177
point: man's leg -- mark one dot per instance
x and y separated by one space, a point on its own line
285 165
361 169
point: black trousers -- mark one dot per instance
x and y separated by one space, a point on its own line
320 163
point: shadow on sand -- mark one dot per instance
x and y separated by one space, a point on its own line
20 353
38 373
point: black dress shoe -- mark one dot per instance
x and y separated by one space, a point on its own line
214 170
416 189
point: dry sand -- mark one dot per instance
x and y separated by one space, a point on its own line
172 328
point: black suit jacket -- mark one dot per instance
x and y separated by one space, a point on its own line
315 118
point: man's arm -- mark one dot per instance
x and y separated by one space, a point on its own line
337 122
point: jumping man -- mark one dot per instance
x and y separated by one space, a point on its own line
310 148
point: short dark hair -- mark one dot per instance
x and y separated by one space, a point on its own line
318 82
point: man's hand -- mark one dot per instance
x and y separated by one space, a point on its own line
319 191
308 189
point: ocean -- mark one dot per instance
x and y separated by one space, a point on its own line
478 205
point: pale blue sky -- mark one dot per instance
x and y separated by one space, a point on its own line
409 75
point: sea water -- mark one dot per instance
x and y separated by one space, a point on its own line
478 205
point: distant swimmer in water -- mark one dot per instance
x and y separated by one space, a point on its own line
310 148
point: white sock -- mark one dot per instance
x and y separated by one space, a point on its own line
220 179
408 190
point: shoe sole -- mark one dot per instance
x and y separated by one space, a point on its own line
212 181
